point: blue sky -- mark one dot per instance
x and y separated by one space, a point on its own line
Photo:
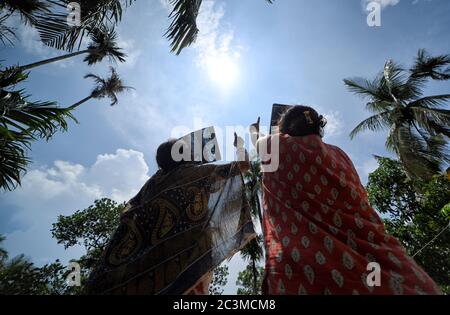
248 56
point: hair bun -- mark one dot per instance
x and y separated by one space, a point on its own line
308 118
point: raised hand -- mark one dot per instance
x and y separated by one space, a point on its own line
255 127
238 141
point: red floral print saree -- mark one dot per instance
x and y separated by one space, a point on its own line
321 233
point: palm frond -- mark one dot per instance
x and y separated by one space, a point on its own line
253 250
440 115
104 43
27 9
427 66
7 34
21 122
431 101
183 30
108 87
421 159
57 33
98 80
375 90
434 121
13 160
363 87
374 123
11 76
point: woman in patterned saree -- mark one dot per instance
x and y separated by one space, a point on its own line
320 231
184 222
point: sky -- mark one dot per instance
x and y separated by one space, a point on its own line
248 55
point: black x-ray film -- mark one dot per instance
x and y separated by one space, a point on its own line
277 111
203 145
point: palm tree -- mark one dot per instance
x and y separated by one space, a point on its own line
253 252
419 126
104 88
21 122
253 188
104 44
27 9
55 32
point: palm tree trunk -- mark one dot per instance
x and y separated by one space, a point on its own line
51 60
255 277
84 100
258 207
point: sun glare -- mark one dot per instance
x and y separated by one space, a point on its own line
222 70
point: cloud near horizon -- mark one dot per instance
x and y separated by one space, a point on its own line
62 189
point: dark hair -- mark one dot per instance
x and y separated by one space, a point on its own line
164 156
300 121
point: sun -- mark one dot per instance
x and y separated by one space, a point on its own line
222 70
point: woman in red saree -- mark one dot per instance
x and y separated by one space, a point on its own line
320 231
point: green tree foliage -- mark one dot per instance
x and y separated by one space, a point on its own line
219 280
418 125
391 191
19 276
21 122
415 214
91 228
245 281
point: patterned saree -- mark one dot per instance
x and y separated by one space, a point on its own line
321 233
179 227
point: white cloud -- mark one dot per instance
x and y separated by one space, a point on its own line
166 5
216 55
64 188
335 123
417 1
144 125
141 121
133 53
366 168
384 3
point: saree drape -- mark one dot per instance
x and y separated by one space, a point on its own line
321 233
177 229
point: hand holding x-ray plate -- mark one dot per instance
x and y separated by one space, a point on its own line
277 111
